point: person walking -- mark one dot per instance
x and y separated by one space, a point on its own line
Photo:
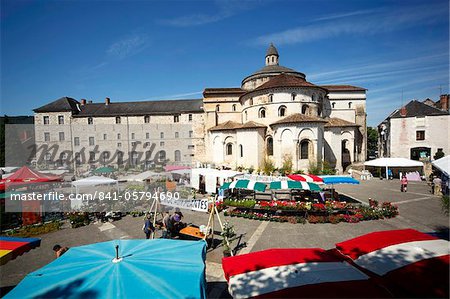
404 186
148 227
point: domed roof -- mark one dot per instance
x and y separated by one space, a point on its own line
271 50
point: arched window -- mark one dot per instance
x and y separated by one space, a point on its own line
217 108
333 104
177 156
118 120
233 108
246 116
147 119
304 149
241 151
319 111
313 97
305 109
90 120
293 96
229 149
270 146
282 111
119 158
270 98
262 113
273 59
349 104
250 101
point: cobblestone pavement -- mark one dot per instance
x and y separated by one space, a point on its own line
419 209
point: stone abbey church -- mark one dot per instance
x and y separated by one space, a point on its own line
275 114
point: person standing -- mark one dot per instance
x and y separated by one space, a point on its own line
404 186
166 226
148 227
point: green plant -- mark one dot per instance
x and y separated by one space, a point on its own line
250 169
227 234
35 230
268 167
287 164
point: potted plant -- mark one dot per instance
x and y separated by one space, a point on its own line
227 234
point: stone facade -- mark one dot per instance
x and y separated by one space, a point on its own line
276 114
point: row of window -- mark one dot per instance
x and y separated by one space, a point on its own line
304 148
90 120
106 156
105 137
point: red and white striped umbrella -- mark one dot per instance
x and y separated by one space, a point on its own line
306 178
296 273
410 262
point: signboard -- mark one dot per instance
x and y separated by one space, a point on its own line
200 205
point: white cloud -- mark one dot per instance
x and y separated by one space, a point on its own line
225 9
350 24
127 46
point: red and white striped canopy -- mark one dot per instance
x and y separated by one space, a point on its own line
306 178
412 263
296 273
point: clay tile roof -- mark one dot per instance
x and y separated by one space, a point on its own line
231 125
298 118
285 80
342 88
339 122
251 125
228 125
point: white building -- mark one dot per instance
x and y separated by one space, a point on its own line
417 130
276 114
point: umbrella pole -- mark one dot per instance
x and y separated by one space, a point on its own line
387 176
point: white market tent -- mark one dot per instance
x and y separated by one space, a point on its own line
393 162
91 181
443 164
211 176
140 177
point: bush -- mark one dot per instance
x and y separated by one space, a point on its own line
35 230
321 168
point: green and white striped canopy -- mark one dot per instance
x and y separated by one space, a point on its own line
245 184
294 185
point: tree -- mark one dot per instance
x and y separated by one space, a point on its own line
439 154
372 141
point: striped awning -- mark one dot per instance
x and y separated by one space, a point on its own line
296 273
245 184
413 261
11 247
284 185
306 178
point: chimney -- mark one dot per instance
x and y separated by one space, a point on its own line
403 111
83 102
444 101
107 101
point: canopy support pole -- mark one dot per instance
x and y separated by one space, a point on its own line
387 175
211 225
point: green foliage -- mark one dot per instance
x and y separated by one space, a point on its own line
372 140
439 154
250 169
227 234
445 204
268 167
321 168
248 204
287 164
35 230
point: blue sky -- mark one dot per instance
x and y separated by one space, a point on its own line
150 50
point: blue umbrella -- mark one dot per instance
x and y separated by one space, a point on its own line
144 269
338 179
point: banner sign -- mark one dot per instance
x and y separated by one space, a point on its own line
200 205
263 178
